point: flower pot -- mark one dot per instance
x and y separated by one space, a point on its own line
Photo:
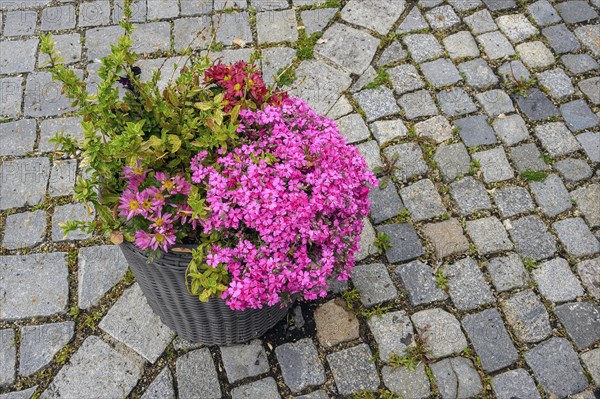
209 323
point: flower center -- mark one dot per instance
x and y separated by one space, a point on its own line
237 87
146 205
168 185
138 171
159 197
159 237
226 78
159 222
134 205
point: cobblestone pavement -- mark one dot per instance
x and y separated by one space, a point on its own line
492 283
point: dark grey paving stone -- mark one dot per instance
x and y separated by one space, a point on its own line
556 282
475 131
353 370
556 367
489 235
40 343
406 383
590 86
300 365
23 182
58 18
18 137
576 237
481 22
470 195
511 129
527 157
441 72
320 394
161 387
94 13
97 370
586 198
423 47
495 102
245 360
490 339
405 242
441 332
455 102
582 322
573 169
589 272
410 162
477 73
446 237
453 160
556 139
40 103
466 285
513 200
62 177
261 389
375 16
515 384
69 46
418 281
579 63
8 356
574 12
232 26
591 360
499 5
374 284
66 212
456 377
185 32
13 96
418 104
561 39
393 333
536 105
578 115
197 376
414 21
494 165
25 62
551 195
367 242
422 200
531 238
33 285
591 145
23 230
513 70
507 272
377 103
385 203
543 13
527 316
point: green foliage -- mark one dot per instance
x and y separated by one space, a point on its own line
519 86
408 360
129 278
351 297
374 311
474 167
306 44
386 171
202 280
382 78
440 279
529 264
74 311
382 393
403 216
533 175
286 76
382 242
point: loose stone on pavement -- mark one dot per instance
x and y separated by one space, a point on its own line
335 323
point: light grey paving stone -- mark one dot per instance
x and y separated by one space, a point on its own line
578 115
320 394
490 339
69 46
578 64
94 13
350 48
375 15
300 365
574 12
43 96
405 78
507 272
495 45
477 73
495 102
573 169
456 378
261 389
69 126
423 47
145 333
388 130
591 360
556 82
494 165
515 383
393 53
414 21
513 200
161 387
589 272
220 5
20 23
535 54
367 241
586 199
576 237
95 370
23 394
442 17
461 45
405 242
353 370
393 333
499 5
62 178
276 26
422 200
186 33
556 282
470 196
407 383
40 343
197 376
441 332
561 39
591 145
517 27
58 17
437 129
139 9
446 237
556 139
588 36
582 322
475 131
183 344
342 107
10 6
25 62
377 103
18 137
385 203
162 9
317 20
514 70
531 238
418 104
8 355
551 195
410 160
374 284
368 76
99 269
23 230
98 40
591 87
64 213
34 285
440 72
511 129
232 26
464 5
489 235
455 102
354 128
556 367
527 157
480 22
466 285
370 151
155 36
320 84
453 160
527 316
418 281
543 13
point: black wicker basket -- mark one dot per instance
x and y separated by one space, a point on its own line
209 323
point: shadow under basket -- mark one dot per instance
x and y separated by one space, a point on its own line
209 323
